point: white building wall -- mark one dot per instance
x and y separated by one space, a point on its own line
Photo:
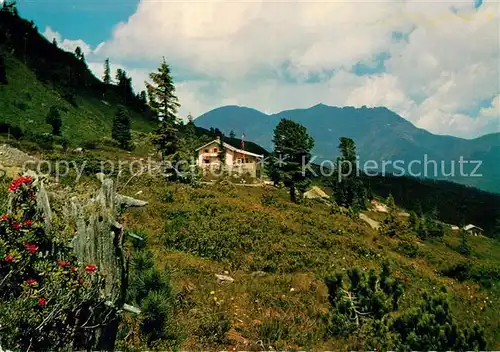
229 157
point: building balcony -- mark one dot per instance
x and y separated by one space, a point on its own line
210 155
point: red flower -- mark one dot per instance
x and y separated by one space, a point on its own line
5 217
28 223
91 268
62 264
9 258
16 226
42 301
74 268
19 182
81 281
31 282
32 248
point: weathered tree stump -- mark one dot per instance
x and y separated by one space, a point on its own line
98 240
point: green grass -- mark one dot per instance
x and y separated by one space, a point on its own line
209 231
279 255
25 102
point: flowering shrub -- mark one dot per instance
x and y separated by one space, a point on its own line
48 301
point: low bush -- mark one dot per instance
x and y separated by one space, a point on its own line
431 326
364 298
408 248
90 144
361 308
268 198
484 274
12 130
151 290
44 140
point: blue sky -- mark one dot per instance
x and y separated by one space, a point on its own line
435 65
91 20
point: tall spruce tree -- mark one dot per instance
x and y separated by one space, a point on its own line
3 74
143 97
125 86
464 244
496 229
53 118
161 92
391 226
121 128
107 72
166 140
292 151
348 187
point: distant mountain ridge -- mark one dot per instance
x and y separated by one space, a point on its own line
380 134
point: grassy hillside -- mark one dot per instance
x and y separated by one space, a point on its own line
25 101
36 74
279 256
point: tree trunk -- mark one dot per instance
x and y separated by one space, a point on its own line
98 240
293 196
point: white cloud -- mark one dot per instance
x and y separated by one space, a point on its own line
279 55
68 44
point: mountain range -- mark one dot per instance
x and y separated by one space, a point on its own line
380 135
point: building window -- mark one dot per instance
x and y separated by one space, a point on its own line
215 150
206 161
206 150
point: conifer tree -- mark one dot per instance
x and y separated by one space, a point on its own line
413 221
431 326
143 97
79 53
54 119
164 102
496 229
232 134
166 139
418 208
161 92
292 148
464 244
125 86
348 187
361 299
107 72
121 128
391 226
3 74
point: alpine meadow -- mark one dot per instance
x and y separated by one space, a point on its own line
273 215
